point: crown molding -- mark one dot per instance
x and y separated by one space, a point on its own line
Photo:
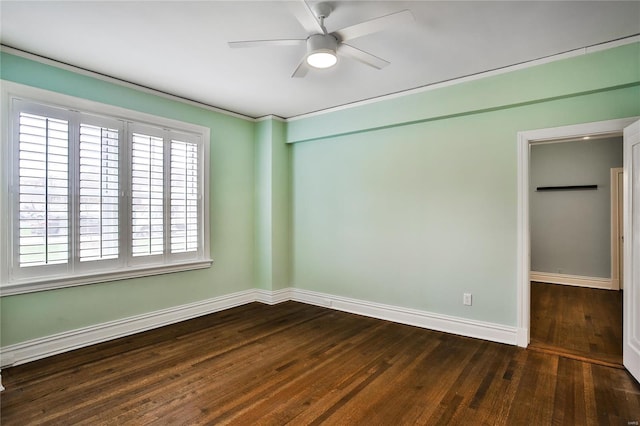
109 79
472 77
433 86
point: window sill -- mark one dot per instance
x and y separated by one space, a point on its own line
48 283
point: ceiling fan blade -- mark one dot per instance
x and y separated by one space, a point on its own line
362 56
376 24
260 43
301 70
306 17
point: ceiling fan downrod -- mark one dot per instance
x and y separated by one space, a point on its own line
322 11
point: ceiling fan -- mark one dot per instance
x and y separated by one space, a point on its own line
323 47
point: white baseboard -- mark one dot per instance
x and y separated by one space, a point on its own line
273 297
433 321
574 280
43 347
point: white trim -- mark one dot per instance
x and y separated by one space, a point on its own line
119 82
424 319
273 297
270 117
631 252
523 259
615 228
509 68
522 337
50 283
572 280
524 140
553 58
43 347
50 98
612 44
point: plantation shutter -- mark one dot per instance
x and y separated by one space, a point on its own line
147 195
184 197
43 171
99 168
94 197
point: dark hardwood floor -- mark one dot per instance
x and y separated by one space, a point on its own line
299 364
585 323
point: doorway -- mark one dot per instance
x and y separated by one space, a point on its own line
631 301
525 139
576 308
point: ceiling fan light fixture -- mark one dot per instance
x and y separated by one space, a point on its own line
321 50
322 59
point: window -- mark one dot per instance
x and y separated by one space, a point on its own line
94 197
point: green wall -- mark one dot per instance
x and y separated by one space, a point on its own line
410 201
232 203
600 71
413 209
272 205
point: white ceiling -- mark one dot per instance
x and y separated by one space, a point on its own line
180 47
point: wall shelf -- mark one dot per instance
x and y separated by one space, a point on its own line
567 188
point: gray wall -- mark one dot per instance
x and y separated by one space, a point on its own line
570 230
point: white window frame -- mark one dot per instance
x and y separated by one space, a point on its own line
77 273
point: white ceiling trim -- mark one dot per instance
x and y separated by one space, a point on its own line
570 54
271 117
119 82
503 70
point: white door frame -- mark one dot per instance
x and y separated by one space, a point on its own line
617 195
525 139
630 299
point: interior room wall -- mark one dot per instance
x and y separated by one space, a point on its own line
410 201
414 210
28 316
571 230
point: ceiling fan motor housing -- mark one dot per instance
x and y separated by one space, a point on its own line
322 43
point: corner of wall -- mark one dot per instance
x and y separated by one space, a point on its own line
272 248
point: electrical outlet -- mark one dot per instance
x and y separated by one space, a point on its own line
466 299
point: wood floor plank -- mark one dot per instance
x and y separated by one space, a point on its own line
298 364
585 323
